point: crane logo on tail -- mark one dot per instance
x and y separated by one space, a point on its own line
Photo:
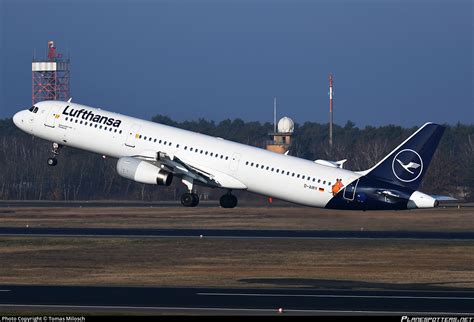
407 165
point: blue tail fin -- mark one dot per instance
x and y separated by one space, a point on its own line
408 163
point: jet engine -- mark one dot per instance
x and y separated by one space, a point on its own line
143 172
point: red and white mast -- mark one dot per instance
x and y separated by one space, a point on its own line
330 110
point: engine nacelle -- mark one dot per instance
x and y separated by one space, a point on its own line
142 171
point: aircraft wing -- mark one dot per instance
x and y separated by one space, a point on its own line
187 168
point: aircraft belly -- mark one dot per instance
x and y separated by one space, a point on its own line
292 192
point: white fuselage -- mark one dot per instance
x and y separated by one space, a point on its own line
260 171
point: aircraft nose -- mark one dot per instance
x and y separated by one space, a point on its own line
18 119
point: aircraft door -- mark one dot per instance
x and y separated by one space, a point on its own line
234 162
52 116
132 136
350 190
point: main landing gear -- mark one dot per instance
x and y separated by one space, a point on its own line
55 151
228 200
189 199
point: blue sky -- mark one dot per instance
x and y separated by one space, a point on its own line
394 62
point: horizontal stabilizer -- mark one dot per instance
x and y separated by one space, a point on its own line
334 164
444 198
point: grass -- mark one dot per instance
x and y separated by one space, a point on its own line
360 264
450 219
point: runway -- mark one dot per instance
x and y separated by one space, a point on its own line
92 204
161 204
230 233
234 301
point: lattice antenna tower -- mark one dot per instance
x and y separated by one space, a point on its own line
50 77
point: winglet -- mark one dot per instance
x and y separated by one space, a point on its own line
69 100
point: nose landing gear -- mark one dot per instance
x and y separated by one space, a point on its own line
52 161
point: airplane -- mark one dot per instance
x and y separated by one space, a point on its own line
152 153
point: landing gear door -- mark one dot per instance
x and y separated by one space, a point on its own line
52 116
133 135
350 190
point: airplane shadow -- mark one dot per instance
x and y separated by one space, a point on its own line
358 285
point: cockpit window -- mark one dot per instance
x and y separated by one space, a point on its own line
33 109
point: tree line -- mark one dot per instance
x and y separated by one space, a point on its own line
81 175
